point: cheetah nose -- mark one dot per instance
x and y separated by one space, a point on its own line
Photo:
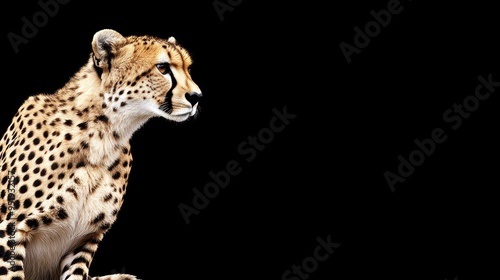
193 97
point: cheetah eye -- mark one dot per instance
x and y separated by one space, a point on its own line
164 68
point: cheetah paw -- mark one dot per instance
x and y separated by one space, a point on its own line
116 277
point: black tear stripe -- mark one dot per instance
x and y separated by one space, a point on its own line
170 94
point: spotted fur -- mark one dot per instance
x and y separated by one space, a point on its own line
65 159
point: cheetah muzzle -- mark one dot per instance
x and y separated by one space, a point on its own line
65 159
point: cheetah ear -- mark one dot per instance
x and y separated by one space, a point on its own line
172 40
104 45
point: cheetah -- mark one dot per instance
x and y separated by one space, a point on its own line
65 159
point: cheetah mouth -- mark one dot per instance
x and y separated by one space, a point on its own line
178 117
176 110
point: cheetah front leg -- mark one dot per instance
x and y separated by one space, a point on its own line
12 251
75 265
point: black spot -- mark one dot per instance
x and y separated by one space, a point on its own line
99 218
108 197
38 194
80 164
117 175
32 223
37 183
72 191
39 160
23 189
103 118
27 203
54 166
11 228
61 214
83 125
60 200
105 226
112 166
68 136
68 122
46 220
25 168
11 243
51 185
16 268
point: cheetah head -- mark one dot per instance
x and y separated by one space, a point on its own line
145 76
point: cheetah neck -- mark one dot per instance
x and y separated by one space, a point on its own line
107 127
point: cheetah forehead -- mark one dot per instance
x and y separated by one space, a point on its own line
160 50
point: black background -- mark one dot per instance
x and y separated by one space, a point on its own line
323 175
